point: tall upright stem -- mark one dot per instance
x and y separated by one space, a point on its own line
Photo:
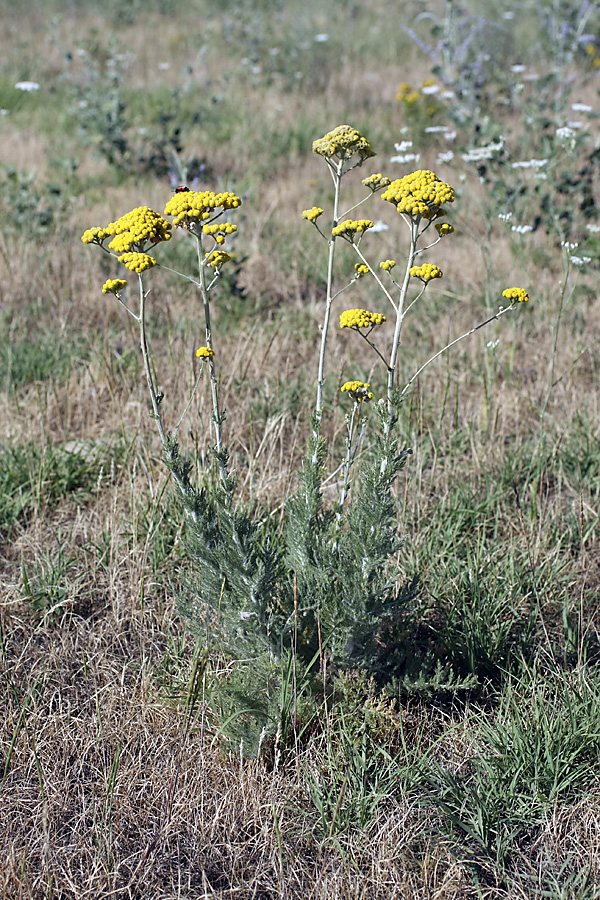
336 172
391 377
214 384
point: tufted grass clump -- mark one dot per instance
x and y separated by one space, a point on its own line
290 601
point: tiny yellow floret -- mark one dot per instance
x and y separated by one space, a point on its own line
516 295
387 264
218 258
426 272
204 352
444 229
113 286
376 182
361 269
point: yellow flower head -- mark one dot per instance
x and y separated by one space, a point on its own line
376 182
516 295
113 286
403 91
387 264
217 258
419 194
443 229
189 207
312 214
426 272
360 318
358 391
219 231
94 235
361 269
138 228
137 262
349 228
204 352
343 142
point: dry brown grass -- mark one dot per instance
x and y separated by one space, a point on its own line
183 818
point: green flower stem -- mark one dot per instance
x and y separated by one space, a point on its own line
392 406
214 384
155 398
336 173
467 334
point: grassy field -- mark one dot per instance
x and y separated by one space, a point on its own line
470 767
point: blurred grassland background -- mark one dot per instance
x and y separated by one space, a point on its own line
492 766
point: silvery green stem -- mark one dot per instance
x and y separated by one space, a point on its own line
336 172
214 385
391 379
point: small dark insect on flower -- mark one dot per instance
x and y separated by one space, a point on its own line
181 189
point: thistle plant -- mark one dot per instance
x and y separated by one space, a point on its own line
324 588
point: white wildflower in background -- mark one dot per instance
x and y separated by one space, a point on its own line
581 107
530 164
594 229
581 260
430 89
448 95
450 136
446 157
569 246
27 86
321 38
491 345
379 226
405 158
564 133
164 66
477 154
517 69
575 125
436 129
521 229
403 146
506 217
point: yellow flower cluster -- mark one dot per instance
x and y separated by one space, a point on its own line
444 229
137 262
312 214
204 352
132 231
518 295
187 207
361 269
217 258
387 264
219 231
360 318
349 227
419 194
426 272
358 390
94 235
113 286
343 142
376 182
406 94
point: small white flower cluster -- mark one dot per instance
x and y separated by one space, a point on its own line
478 154
564 134
593 229
530 164
506 217
521 229
405 158
581 260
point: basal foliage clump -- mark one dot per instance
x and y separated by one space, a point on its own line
286 605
